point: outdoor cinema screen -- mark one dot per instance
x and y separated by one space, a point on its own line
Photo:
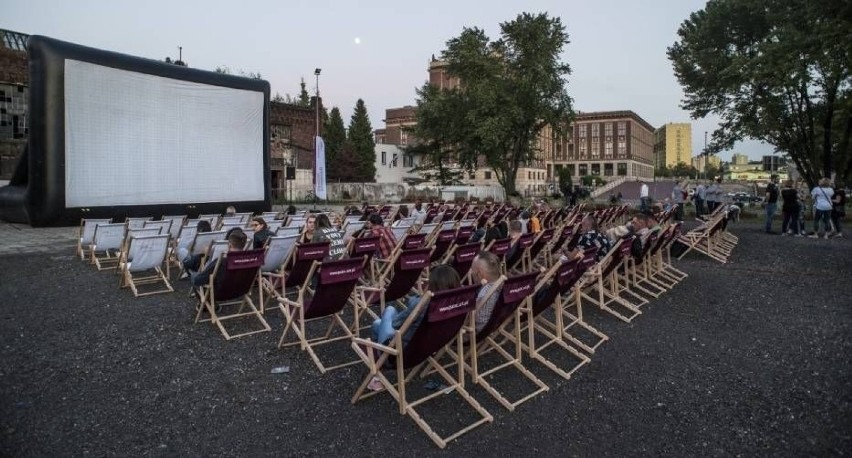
137 139
113 135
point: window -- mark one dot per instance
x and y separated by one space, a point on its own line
280 133
608 129
608 169
583 150
571 169
487 175
596 169
384 158
403 137
622 128
393 161
596 130
583 131
584 169
608 150
622 169
529 175
408 160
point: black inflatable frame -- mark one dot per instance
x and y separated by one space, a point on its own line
36 193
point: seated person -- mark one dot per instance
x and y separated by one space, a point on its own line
309 229
497 231
590 237
442 277
191 263
485 271
401 214
326 232
515 233
236 242
230 211
642 225
261 232
387 241
418 213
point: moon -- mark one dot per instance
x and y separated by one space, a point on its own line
357 40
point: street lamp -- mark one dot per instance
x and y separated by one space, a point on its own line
317 72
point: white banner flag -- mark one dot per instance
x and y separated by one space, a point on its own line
319 170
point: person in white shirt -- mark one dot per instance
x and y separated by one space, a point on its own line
699 196
822 195
644 200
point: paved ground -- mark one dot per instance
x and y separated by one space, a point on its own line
748 358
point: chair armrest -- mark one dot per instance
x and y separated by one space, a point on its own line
375 345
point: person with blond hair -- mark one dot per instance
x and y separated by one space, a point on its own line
823 205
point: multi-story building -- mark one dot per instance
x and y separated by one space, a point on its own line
672 144
14 98
291 134
701 162
607 144
739 159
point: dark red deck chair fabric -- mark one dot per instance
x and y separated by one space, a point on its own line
413 241
500 248
336 282
618 255
566 276
237 273
406 271
543 239
566 234
364 246
463 258
515 290
444 318
463 235
524 242
305 256
443 241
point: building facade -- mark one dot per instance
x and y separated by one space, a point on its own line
739 159
673 144
701 162
14 99
291 135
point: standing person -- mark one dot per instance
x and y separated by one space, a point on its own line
677 200
325 231
770 201
839 210
261 232
823 205
700 196
644 200
790 209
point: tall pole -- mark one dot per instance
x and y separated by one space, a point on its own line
316 102
705 155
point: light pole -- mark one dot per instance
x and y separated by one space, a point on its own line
317 72
705 155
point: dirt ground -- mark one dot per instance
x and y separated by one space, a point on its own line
748 358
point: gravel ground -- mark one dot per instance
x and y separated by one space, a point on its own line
747 358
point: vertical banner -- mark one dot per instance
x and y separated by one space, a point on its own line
319 169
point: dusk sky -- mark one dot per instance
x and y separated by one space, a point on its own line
379 50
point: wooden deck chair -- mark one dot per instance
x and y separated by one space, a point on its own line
653 265
270 216
296 221
515 292
230 221
286 231
353 219
663 258
350 228
165 226
146 254
333 292
623 280
412 241
571 305
129 235
399 232
520 259
230 284
464 234
185 238
177 222
597 286
87 234
200 243
500 248
442 243
446 312
448 225
642 278
302 260
106 245
137 223
212 218
553 294
539 249
227 226
400 278
461 257
279 251
273 226
366 247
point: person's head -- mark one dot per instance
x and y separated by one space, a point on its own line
825 182
258 223
322 221
291 210
236 239
443 277
515 228
525 214
376 220
486 266
230 211
310 223
403 211
642 221
418 206
203 226
589 223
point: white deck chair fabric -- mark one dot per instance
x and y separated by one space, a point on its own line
177 222
147 252
137 223
87 234
108 236
399 231
285 231
232 221
352 228
217 248
428 228
278 249
228 226
269 216
296 221
405 221
165 226
353 219
244 217
273 226
203 239
448 225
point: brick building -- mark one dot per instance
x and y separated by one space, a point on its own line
291 133
14 97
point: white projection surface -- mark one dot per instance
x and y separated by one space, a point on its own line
138 139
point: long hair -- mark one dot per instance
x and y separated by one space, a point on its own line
443 277
322 221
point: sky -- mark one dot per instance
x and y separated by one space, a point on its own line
379 51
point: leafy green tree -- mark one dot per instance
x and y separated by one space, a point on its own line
511 88
439 120
334 134
363 147
564 179
682 169
304 98
773 70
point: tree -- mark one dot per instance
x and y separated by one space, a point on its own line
225 70
363 147
439 120
564 179
304 98
511 88
334 134
776 71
